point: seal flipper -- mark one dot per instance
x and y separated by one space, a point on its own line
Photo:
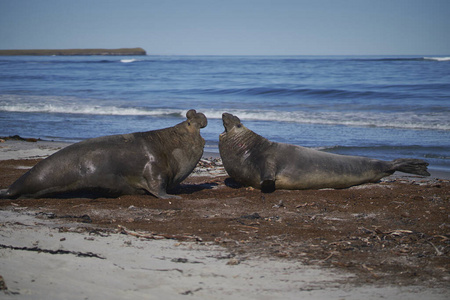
167 196
268 186
410 165
161 193
4 194
268 176
158 189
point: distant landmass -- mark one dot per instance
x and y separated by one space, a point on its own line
121 51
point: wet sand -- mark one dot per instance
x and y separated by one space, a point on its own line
221 241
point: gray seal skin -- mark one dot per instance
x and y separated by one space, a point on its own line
255 161
135 163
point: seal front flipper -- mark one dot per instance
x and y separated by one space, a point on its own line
164 195
161 193
268 177
268 186
4 194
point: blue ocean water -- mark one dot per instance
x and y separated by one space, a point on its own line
375 106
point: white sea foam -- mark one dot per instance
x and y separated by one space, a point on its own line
407 120
128 60
86 110
72 105
437 58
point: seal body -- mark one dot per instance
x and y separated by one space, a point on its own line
255 161
137 163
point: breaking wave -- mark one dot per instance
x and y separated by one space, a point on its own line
128 60
437 58
406 120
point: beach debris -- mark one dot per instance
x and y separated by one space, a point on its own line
280 204
329 256
306 204
154 236
233 262
3 286
82 219
184 261
50 251
252 216
209 167
190 292
438 252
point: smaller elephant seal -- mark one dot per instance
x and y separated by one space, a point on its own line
137 163
255 161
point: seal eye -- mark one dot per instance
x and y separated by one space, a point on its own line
239 125
189 123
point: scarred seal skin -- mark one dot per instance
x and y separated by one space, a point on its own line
137 163
253 160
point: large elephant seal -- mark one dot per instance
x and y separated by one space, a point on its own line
136 163
255 161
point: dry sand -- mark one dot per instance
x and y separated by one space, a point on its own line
221 241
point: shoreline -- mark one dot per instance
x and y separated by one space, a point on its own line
384 240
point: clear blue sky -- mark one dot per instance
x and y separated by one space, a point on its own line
230 27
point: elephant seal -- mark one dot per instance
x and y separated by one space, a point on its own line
136 163
255 161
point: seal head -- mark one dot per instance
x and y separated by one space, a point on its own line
229 122
196 119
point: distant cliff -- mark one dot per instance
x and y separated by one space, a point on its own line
121 51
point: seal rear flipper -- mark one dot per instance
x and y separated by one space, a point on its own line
410 165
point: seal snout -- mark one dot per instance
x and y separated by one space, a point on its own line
198 118
229 121
203 122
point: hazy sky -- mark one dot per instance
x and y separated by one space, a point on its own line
230 27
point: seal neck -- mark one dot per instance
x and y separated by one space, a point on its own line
245 140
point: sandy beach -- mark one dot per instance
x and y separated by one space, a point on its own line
222 241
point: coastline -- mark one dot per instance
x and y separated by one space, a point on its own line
384 240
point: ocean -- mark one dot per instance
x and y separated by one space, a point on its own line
385 107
